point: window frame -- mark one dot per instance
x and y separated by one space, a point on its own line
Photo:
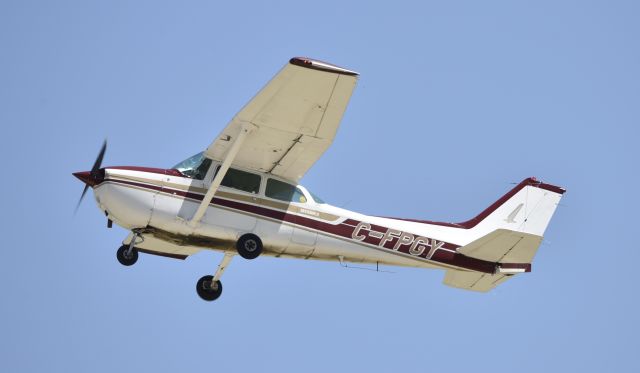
303 191
264 179
216 167
203 160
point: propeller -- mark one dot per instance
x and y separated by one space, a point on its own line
92 177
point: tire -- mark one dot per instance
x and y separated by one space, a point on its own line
124 259
206 291
249 246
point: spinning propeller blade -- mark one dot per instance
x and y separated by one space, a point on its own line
84 191
98 162
92 177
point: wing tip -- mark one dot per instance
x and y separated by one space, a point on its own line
320 65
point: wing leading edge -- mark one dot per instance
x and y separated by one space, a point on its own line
295 118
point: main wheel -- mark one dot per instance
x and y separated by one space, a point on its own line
207 289
249 246
127 259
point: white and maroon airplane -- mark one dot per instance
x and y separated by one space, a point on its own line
241 196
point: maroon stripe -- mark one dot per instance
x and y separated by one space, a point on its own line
552 188
313 64
342 230
351 222
525 266
532 181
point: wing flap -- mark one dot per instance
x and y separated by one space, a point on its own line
301 155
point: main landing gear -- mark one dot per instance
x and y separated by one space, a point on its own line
209 288
249 246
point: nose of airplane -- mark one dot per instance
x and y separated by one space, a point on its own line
84 176
88 178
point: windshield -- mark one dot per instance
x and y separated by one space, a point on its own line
194 167
317 199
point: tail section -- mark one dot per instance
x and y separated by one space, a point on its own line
526 208
508 233
475 281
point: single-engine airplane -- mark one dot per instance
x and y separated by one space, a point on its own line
241 196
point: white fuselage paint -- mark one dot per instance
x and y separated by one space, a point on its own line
138 199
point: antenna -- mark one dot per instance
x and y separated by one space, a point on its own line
377 269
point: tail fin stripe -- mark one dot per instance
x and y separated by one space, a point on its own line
532 181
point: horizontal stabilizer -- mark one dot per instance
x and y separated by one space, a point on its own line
475 281
504 246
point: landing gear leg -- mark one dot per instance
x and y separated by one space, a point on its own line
209 287
127 254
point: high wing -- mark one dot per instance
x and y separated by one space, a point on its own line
293 119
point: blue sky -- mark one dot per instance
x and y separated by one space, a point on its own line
456 101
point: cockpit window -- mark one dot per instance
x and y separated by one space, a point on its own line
194 167
285 192
317 199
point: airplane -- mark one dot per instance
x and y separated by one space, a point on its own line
241 196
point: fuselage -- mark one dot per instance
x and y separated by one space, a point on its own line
160 202
241 196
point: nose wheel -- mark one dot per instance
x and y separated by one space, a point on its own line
127 255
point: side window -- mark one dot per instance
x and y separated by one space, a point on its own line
285 192
241 180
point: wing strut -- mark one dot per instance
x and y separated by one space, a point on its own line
215 183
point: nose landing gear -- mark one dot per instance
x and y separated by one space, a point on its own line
127 254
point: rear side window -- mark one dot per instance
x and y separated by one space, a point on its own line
277 189
241 180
